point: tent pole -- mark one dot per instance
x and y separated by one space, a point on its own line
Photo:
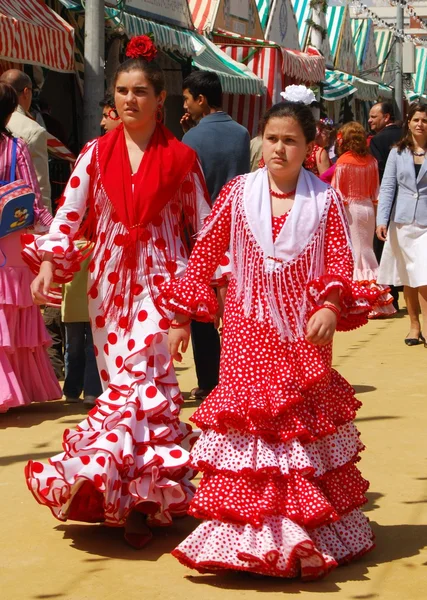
94 49
399 63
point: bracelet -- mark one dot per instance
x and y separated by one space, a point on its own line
333 308
179 325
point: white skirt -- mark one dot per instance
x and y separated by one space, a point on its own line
404 257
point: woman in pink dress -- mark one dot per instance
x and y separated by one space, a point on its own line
143 195
280 493
26 374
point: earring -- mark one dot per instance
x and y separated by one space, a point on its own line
159 114
112 114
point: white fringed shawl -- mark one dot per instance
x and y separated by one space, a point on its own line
272 276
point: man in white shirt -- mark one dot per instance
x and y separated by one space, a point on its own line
24 127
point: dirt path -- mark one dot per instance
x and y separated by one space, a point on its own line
41 558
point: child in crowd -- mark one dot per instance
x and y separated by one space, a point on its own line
81 372
280 493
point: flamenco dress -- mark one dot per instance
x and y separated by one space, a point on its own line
280 493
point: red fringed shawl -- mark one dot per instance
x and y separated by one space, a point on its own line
130 209
356 177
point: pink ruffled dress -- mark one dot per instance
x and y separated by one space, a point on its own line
280 493
26 374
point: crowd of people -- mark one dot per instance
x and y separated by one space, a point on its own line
156 239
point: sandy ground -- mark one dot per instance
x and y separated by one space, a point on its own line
41 558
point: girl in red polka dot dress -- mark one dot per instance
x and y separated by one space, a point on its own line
280 493
142 194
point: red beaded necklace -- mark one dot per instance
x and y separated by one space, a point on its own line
282 195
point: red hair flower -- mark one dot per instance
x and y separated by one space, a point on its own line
141 46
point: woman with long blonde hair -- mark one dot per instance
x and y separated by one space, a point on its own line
356 178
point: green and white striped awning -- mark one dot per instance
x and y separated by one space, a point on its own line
335 17
235 77
302 10
360 29
166 37
334 88
383 43
72 4
385 91
419 78
264 7
413 97
366 90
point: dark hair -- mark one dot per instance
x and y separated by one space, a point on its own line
8 104
387 109
108 100
204 83
353 139
151 70
295 110
407 140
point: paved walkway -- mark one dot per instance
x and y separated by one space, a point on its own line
40 558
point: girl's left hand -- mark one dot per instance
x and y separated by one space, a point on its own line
321 327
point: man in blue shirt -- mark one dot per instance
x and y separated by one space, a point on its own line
223 147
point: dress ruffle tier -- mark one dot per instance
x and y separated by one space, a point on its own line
280 493
26 374
129 453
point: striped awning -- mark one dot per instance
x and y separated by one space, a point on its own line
385 91
235 77
32 33
306 66
203 13
360 29
166 37
335 88
366 90
264 7
72 4
302 10
419 78
384 41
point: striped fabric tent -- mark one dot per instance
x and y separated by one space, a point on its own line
235 78
385 45
32 33
272 64
341 39
419 78
248 110
364 44
211 15
335 88
282 28
264 7
303 11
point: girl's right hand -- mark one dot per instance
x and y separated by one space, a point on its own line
41 284
382 232
178 336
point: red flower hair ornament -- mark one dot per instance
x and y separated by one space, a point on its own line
141 46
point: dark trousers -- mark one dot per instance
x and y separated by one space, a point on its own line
206 351
378 250
81 371
55 328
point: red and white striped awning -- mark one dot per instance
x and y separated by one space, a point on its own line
32 33
308 66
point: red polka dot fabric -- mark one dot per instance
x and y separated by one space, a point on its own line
280 493
132 449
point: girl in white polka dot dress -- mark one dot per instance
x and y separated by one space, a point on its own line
280 493
142 194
